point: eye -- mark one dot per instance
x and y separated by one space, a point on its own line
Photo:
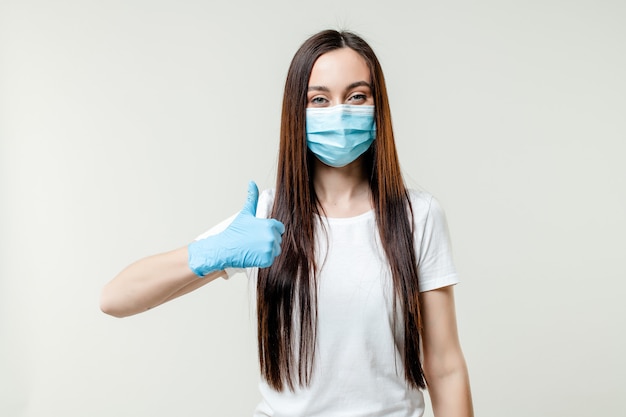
318 101
357 98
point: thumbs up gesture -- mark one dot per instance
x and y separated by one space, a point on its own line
247 242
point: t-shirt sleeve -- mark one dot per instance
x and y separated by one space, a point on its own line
435 263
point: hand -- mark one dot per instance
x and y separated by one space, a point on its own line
247 242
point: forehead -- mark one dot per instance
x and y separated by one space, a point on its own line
339 67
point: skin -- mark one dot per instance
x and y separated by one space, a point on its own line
338 77
150 282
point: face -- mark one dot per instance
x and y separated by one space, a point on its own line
340 77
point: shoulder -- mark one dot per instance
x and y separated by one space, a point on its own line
427 212
424 205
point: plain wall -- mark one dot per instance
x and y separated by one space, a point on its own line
127 128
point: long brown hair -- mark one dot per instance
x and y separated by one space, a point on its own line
287 291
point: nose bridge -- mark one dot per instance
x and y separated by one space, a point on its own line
336 98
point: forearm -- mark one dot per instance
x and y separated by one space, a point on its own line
450 392
150 282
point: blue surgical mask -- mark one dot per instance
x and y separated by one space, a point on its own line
338 135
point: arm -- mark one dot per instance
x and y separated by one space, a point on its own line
247 242
444 364
150 282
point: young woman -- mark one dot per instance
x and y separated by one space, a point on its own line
353 272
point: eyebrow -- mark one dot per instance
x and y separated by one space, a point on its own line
349 87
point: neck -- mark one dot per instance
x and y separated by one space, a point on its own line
342 192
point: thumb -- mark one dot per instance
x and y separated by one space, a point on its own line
253 198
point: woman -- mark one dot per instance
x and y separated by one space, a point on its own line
353 272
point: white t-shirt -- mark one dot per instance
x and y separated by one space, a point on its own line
358 369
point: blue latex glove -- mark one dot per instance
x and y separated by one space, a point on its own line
247 242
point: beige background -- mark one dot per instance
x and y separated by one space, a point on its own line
129 127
